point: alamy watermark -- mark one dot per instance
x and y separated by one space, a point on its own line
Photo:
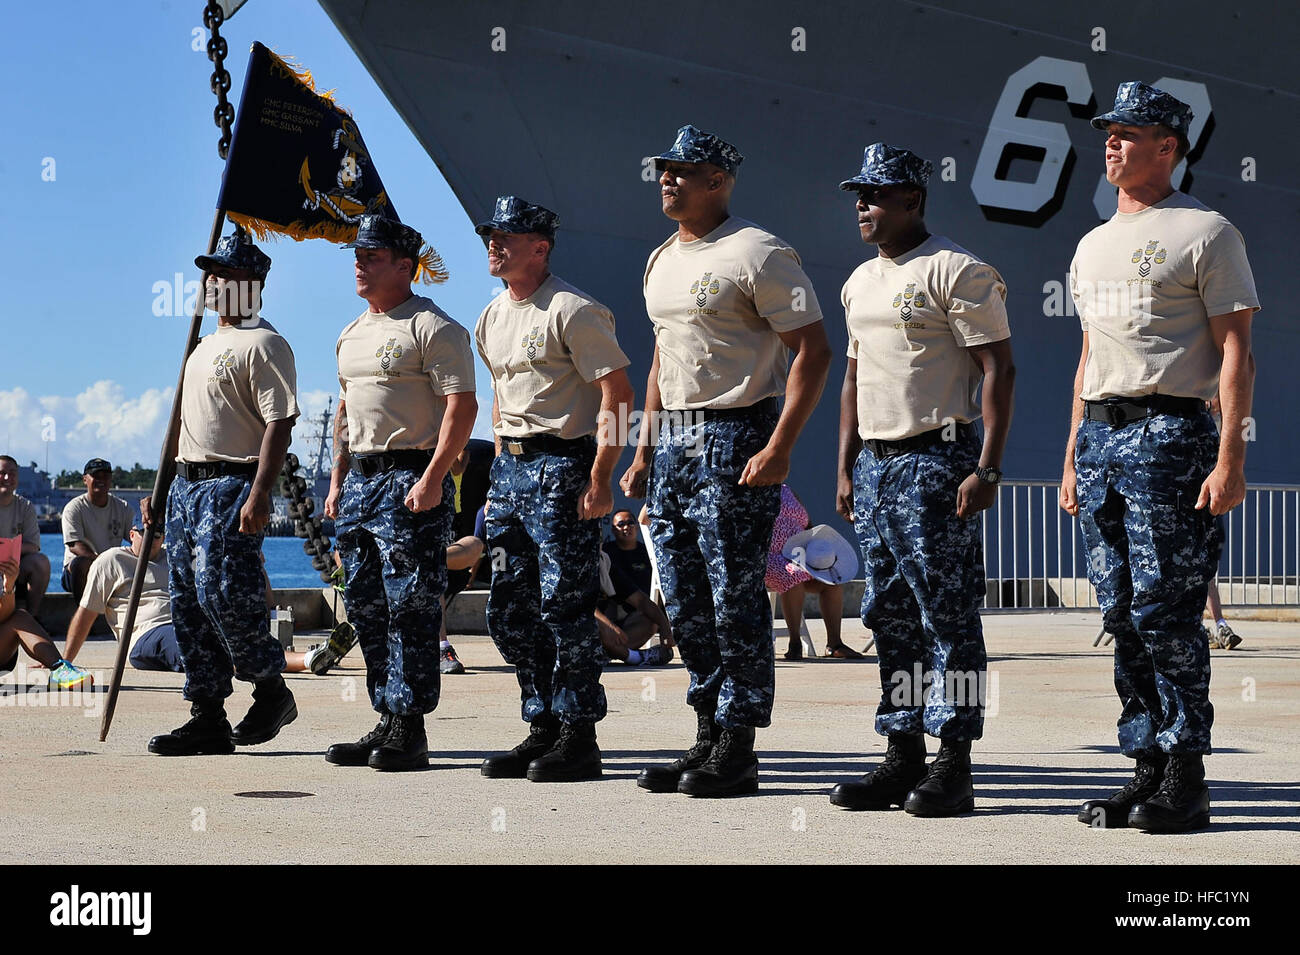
678 427
75 907
1130 297
955 688
30 686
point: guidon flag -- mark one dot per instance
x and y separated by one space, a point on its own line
298 165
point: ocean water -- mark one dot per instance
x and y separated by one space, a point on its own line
286 563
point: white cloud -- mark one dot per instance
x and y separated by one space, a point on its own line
101 421
312 403
105 421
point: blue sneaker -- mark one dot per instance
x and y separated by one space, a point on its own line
68 675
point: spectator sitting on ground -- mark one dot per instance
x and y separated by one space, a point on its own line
153 639
18 519
627 618
792 581
627 552
831 561
18 628
92 523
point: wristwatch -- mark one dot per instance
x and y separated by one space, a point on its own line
989 475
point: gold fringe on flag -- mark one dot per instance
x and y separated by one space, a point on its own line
430 268
298 231
303 76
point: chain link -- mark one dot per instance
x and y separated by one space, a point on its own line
224 114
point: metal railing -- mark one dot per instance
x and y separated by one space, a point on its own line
1034 555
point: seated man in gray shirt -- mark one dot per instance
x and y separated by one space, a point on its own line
92 523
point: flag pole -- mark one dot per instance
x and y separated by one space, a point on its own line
157 501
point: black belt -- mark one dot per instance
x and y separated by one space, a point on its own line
548 444
1120 411
207 470
689 416
917 442
413 459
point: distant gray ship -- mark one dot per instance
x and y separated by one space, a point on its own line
561 102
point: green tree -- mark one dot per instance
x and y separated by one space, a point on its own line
136 477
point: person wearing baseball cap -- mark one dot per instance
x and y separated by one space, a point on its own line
730 303
557 373
92 523
1145 471
928 332
238 407
406 408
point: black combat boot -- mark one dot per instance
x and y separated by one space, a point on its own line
543 732
730 770
1112 812
406 746
1181 804
574 757
946 789
358 753
273 708
890 782
664 779
206 734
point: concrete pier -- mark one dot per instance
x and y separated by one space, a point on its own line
1049 744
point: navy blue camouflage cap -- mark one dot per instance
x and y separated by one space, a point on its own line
514 215
96 464
884 165
236 251
1137 104
695 145
379 232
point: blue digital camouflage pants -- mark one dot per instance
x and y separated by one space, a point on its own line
924 573
396 565
545 580
711 536
218 597
1151 556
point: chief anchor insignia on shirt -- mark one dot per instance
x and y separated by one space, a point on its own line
221 365
388 353
702 288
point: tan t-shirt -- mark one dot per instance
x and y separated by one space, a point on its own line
18 519
910 321
1145 285
396 369
718 304
237 381
100 527
108 587
545 354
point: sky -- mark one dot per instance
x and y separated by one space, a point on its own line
112 174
